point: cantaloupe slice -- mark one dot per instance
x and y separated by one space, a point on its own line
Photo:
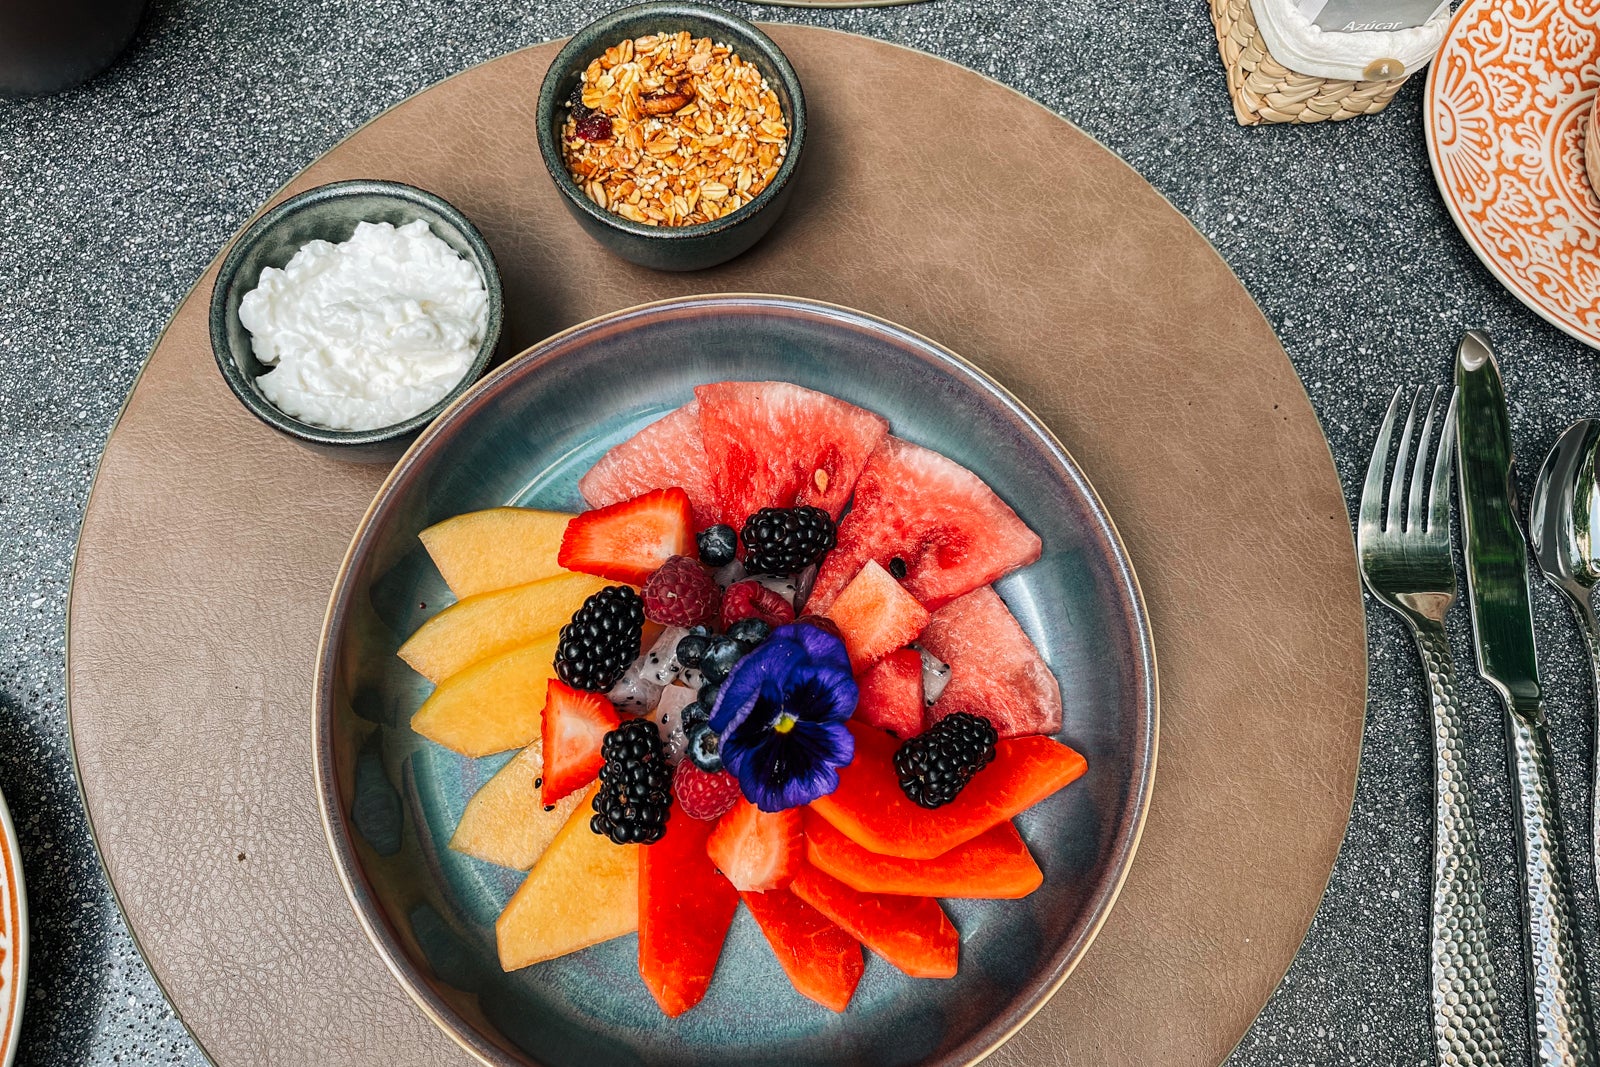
584 890
491 706
505 823
488 624
497 548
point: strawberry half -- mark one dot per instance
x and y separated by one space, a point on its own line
628 542
757 850
575 724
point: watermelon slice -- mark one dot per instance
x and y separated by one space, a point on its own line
776 445
871 810
875 616
995 865
891 694
949 528
668 452
822 961
913 933
995 671
685 909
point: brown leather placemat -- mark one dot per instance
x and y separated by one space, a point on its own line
932 197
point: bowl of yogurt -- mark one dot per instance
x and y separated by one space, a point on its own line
349 316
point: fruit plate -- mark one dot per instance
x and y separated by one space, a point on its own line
390 800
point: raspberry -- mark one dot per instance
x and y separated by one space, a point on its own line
752 600
702 794
681 593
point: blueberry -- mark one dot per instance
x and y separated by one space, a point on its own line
719 658
749 632
693 715
700 629
704 748
717 545
707 696
690 650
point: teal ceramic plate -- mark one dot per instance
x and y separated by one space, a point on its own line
524 435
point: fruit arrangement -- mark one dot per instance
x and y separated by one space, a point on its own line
766 666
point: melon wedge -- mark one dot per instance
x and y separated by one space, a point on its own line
995 865
505 823
995 670
870 809
875 616
664 454
822 961
491 706
496 548
913 933
584 890
488 624
685 909
891 694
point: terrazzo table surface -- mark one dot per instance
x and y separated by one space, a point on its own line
115 196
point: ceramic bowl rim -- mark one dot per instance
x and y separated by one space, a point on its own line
612 25
220 317
1016 1012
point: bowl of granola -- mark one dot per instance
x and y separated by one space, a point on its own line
673 131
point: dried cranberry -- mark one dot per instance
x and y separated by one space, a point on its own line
592 125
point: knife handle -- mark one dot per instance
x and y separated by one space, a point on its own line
1466 1007
1560 1031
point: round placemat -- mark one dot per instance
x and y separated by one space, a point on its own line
930 196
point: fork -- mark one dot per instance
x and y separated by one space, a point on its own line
1406 562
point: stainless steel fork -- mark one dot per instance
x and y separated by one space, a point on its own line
1406 561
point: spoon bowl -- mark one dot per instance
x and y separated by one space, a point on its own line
1564 516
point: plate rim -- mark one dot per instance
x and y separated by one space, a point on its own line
986 1040
19 934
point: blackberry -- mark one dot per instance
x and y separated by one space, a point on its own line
786 540
937 764
603 638
635 785
717 545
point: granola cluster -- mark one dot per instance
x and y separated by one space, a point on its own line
672 130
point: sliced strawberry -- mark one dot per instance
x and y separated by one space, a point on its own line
575 723
758 850
891 694
875 616
628 542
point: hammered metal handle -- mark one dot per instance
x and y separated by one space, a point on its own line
1591 641
1558 1011
1466 1008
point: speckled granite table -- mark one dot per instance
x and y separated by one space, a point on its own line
113 198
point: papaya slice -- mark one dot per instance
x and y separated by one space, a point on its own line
870 808
995 865
913 933
685 909
822 961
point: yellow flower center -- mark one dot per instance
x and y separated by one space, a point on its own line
784 723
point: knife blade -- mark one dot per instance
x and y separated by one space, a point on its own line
1560 1033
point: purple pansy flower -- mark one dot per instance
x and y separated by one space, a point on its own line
780 717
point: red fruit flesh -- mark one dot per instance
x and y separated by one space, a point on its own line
953 533
666 453
822 961
704 795
681 593
628 542
776 445
875 616
757 850
870 808
995 865
752 600
913 933
995 671
891 694
685 909
573 728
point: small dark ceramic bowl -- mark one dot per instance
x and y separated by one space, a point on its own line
672 247
391 800
331 213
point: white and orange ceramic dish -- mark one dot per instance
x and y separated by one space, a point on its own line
1507 110
13 938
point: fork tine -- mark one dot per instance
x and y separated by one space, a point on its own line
1415 518
1439 492
1398 481
1372 491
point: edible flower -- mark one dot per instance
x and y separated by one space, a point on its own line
780 717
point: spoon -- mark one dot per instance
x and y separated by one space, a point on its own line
1564 525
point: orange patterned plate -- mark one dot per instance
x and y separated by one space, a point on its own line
13 937
1507 107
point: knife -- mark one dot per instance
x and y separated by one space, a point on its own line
1560 1030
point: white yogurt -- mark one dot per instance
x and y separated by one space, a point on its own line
369 332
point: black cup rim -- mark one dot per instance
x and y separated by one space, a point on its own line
602 33
227 277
